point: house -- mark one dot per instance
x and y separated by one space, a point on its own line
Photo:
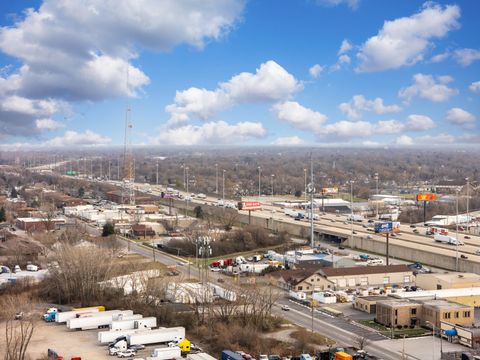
142 230
300 279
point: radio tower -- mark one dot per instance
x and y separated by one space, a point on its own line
128 193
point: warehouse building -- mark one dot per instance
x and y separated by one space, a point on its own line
437 281
465 296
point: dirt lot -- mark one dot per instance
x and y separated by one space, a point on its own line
65 342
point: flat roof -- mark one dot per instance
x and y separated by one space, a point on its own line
452 277
374 298
444 304
444 293
365 270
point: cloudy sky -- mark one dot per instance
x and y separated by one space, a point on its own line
195 72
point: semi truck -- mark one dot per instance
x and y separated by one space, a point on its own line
62 317
95 321
156 336
353 217
447 239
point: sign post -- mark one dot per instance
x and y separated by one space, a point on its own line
385 228
425 198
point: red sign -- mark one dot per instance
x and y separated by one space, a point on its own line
249 205
426 197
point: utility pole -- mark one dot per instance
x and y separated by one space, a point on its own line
186 195
109 168
156 179
273 177
351 209
305 188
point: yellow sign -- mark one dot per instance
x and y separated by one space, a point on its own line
426 197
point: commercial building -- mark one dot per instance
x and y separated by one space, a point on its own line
368 304
465 296
438 281
436 311
398 312
38 224
405 312
365 276
312 279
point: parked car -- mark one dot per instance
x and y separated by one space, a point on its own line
262 357
466 237
285 307
126 353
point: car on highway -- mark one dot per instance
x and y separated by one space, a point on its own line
477 252
371 221
466 237
413 226
285 307
464 256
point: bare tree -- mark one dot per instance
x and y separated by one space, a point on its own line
361 342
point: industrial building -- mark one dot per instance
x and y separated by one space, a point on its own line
410 313
465 296
326 278
38 224
368 304
438 281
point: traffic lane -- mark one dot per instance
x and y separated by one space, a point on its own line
341 336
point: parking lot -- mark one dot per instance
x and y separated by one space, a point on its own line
66 343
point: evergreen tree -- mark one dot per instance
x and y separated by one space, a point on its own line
13 193
108 229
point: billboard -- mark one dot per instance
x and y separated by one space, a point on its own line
383 227
329 190
426 197
387 227
249 205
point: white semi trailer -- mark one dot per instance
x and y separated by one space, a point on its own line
166 353
98 321
139 323
156 336
62 317
447 239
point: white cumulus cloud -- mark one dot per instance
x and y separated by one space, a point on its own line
74 138
474 87
461 117
288 141
211 133
465 57
352 4
299 116
48 124
359 103
315 70
344 47
404 140
419 122
269 83
404 41
428 87
82 50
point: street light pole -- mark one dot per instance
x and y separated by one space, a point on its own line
273 176
456 231
223 187
376 179
259 176
156 178
186 195
468 204
305 189
351 209
216 178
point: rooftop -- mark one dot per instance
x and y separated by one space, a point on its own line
442 294
364 270
444 304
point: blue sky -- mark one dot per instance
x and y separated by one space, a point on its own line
287 72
